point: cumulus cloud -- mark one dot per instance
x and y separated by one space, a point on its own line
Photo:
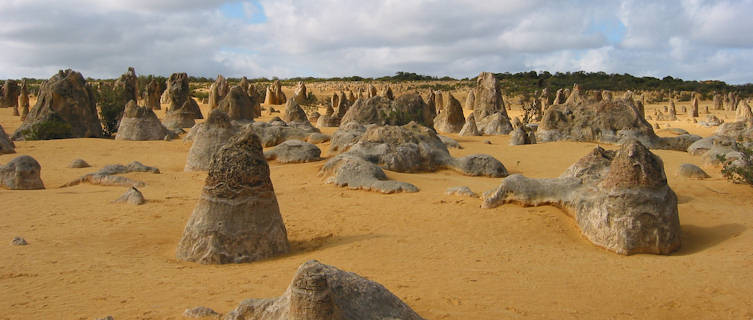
693 39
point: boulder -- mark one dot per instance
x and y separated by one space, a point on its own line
523 135
620 199
132 196
451 119
692 171
358 174
6 144
78 164
461 191
179 118
237 218
67 105
200 312
319 291
107 176
21 173
294 151
18 241
277 131
208 137
140 124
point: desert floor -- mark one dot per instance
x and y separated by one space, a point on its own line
443 255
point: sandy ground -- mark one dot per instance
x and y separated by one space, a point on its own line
443 255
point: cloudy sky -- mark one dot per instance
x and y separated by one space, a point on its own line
690 39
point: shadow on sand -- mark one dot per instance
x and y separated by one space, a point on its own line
696 238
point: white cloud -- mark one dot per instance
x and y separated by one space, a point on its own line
693 39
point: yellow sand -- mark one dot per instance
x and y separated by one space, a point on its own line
443 255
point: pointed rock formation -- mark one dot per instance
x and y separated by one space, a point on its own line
319 291
387 93
208 137
300 94
217 91
132 196
237 218
67 103
238 105
451 119
140 124
620 199
128 84
179 96
470 100
23 100
489 110
10 93
294 114
469 128
694 107
275 96
153 95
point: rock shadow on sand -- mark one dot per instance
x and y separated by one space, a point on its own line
696 239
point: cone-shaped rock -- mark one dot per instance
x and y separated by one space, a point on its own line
294 114
217 91
320 292
179 96
488 97
208 138
237 218
67 100
451 119
238 105
23 100
469 128
140 124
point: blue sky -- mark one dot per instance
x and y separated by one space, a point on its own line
689 39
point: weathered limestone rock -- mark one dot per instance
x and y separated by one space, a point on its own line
470 100
10 94
413 148
387 93
23 100
128 84
18 241
300 94
692 171
451 119
107 176
78 164
179 97
523 135
6 144
274 94
208 137
153 95
489 109
469 128
277 131
319 291
381 111
371 91
238 105
237 218
132 196
200 312
179 118
694 108
140 124
294 114
21 173
67 100
605 121
217 91
620 199
461 191
294 151
356 173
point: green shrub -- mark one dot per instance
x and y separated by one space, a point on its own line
739 174
51 128
111 105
